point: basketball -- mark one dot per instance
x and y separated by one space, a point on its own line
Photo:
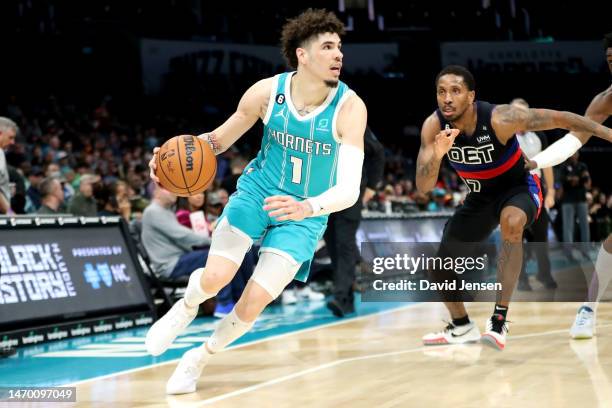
186 165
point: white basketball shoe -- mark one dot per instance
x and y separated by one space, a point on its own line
584 324
451 334
161 335
495 335
185 377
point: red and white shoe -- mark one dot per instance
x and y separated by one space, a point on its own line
451 334
495 335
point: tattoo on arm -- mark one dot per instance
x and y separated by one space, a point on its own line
545 119
527 119
425 169
579 123
509 115
540 119
427 173
214 143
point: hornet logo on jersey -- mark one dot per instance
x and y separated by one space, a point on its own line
280 99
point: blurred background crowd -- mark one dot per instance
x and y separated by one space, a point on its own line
100 163
74 85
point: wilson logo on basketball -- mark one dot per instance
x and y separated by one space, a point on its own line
189 149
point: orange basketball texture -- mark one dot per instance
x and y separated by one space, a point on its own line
186 165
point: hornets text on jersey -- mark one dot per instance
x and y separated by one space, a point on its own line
299 153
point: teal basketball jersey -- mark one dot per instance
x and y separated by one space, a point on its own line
299 153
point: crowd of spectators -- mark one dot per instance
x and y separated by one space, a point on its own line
88 162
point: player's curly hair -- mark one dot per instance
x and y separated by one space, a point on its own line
302 28
607 41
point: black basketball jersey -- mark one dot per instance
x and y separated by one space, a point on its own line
487 166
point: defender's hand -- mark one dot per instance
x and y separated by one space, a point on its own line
153 165
530 164
444 141
285 208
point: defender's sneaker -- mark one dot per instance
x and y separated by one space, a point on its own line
451 334
495 335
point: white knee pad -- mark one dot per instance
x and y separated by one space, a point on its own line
229 242
273 272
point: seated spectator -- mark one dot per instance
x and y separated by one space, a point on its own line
33 195
18 193
169 243
215 203
193 207
170 248
439 200
53 170
83 203
112 204
124 206
52 194
137 200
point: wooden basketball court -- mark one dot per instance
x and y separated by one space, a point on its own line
379 361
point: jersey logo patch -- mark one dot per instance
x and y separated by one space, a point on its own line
280 99
323 125
483 139
281 113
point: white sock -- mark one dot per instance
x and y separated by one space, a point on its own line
601 277
228 330
194 294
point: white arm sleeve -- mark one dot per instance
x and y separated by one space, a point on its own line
558 152
348 180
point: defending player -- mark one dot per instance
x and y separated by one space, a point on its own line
480 143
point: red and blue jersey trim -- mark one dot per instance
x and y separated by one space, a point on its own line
490 170
535 191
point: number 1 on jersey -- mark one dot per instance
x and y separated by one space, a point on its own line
297 169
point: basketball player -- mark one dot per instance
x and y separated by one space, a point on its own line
480 143
309 165
599 110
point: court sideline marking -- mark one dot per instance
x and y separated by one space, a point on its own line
250 343
352 359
